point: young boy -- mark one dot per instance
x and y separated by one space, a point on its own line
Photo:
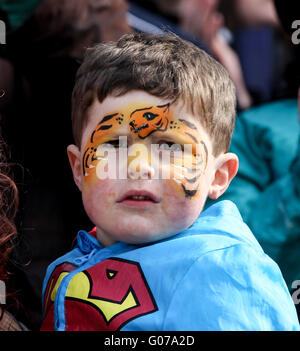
152 120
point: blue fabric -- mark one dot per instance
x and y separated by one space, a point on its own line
212 276
258 70
266 188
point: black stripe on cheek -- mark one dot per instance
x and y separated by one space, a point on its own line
104 127
86 161
189 193
83 160
192 137
206 151
107 118
92 136
193 180
191 170
188 124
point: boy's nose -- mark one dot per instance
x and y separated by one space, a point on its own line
143 171
139 163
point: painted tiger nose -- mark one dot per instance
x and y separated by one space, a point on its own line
132 124
140 128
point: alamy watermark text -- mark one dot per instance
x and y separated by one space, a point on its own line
296 33
2 293
2 32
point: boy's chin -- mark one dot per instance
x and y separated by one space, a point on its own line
137 237
140 232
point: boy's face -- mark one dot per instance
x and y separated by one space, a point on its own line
138 190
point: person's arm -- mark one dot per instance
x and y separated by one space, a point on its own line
230 60
237 288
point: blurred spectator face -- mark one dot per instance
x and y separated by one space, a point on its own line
113 18
200 18
110 15
168 6
256 12
82 23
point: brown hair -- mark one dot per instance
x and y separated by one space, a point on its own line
165 66
8 209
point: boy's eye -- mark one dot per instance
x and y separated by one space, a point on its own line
116 143
149 116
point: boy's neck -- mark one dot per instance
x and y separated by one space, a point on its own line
103 238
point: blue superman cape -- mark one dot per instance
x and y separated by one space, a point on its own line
212 276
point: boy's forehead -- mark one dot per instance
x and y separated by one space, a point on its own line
135 108
133 101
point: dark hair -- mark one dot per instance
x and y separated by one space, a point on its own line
162 65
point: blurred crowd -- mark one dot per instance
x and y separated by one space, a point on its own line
45 42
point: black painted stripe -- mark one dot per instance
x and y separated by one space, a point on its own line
83 160
86 160
157 124
205 149
166 105
92 136
188 124
192 137
104 127
94 158
140 109
189 193
108 117
193 180
191 170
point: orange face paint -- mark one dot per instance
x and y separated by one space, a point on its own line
158 123
147 120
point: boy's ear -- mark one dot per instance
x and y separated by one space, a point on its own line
226 168
75 162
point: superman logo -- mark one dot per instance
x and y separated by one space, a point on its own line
107 296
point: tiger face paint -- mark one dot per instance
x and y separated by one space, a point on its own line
164 168
147 120
146 133
145 202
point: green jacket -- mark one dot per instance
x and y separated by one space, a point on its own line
267 186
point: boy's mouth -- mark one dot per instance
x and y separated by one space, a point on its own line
138 198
